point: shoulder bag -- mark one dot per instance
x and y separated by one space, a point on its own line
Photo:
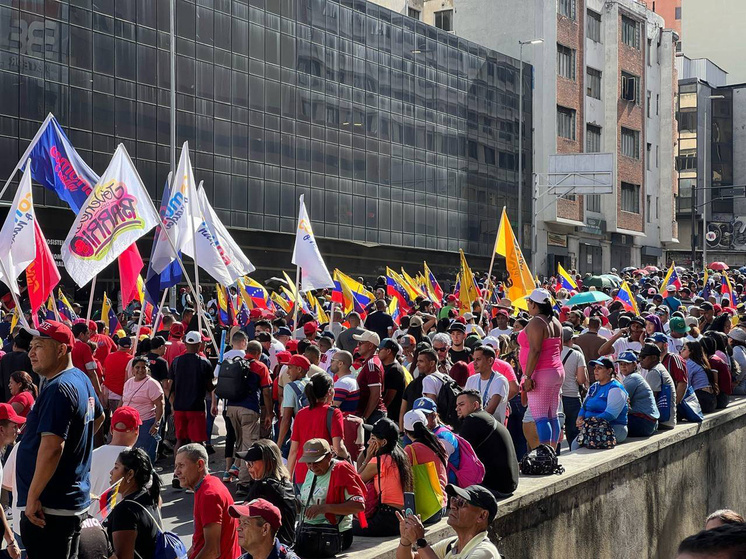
316 541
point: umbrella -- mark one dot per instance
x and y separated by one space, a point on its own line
742 269
652 269
603 281
628 270
588 297
680 269
718 266
641 271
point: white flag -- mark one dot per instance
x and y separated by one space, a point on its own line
306 255
17 241
233 257
117 213
178 221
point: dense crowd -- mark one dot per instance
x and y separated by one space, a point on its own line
345 428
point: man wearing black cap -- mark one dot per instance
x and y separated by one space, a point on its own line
458 351
708 315
471 511
658 377
625 339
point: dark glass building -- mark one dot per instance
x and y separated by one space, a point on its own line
401 136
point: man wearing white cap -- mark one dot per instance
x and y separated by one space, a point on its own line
370 378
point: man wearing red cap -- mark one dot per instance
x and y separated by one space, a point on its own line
177 347
10 423
82 355
293 398
125 427
55 452
258 523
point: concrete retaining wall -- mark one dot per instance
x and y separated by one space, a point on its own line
635 501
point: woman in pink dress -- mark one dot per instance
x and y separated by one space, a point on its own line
541 345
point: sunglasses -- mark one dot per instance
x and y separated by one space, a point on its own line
458 502
440 349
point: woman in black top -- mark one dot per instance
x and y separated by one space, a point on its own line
270 480
132 524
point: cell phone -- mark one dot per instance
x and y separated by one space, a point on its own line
409 506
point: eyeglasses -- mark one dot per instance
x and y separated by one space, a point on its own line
458 502
439 349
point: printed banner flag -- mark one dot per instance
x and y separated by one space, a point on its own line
115 215
314 274
171 275
17 237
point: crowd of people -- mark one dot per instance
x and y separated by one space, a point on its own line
343 429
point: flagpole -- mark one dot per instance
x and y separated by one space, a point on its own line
297 298
21 317
159 314
25 155
90 298
54 307
492 260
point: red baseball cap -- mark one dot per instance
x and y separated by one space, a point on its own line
7 412
718 308
283 357
292 345
255 313
176 330
451 298
55 331
260 508
92 326
310 328
502 312
127 416
300 361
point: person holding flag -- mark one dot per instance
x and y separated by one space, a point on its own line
565 280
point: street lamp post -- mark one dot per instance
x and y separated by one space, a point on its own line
520 139
707 178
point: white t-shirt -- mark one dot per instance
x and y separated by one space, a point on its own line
496 384
326 359
571 365
623 344
8 476
230 354
102 461
274 347
495 332
432 384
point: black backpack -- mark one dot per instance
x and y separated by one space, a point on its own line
236 381
542 461
447 400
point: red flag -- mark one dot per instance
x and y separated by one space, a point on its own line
130 265
42 275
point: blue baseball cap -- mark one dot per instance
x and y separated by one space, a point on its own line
604 362
425 404
283 331
659 338
627 357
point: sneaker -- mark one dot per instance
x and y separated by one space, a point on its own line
233 471
227 478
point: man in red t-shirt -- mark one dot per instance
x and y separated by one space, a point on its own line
214 528
82 356
177 347
676 368
104 344
115 371
370 378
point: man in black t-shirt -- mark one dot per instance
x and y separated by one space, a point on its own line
380 321
458 351
158 365
491 442
393 378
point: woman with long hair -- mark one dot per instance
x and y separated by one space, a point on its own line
270 480
319 420
541 345
133 525
698 367
23 392
719 374
386 471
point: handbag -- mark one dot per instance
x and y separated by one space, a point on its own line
428 495
316 541
665 397
689 407
596 433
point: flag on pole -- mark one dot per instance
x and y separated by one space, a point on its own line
672 278
706 288
108 314
565 279
626 298
726 290
396 287
522 282
156 282
306 255
281 302
393 310
130 264
42 275
433 281
50 309
233 257
17 237
224 316
351 294
318 310
64 307
468 292
111 220
412 284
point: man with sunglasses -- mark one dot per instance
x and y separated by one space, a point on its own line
471 510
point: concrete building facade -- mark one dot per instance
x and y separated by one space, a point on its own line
604 81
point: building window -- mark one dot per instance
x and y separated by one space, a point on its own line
649 157
650 52
630 32
657 104
648 206
594 26
566 123
630 87
566 62
592 139
593 203
686 162
677 12
687 121
414 14
566 8
594 83
630 198
648 104
630 143
444 20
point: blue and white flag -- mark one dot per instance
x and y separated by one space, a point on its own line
171 275
57 166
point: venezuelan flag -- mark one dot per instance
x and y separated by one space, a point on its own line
396 287
317 309
565 280
706 289
285 304
726 290
627 299
224 310
253 293
672 278
108 500
412 284
352 294
108 314
64 307
50 309
433 281
393 310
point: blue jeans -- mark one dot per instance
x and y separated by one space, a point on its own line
571 407
146 441
640 427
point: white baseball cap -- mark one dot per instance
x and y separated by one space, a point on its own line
368 336
540 296
193 337
413 417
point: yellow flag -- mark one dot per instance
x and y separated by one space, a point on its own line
411 282
14 320
521 282
467 287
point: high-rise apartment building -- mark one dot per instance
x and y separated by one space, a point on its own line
670 11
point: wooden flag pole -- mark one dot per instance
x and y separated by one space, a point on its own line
21 317
90 298
297 298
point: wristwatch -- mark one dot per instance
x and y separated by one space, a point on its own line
422 542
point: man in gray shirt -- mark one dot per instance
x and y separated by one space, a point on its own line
345 340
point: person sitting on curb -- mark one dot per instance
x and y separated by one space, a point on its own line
258 523
472 510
